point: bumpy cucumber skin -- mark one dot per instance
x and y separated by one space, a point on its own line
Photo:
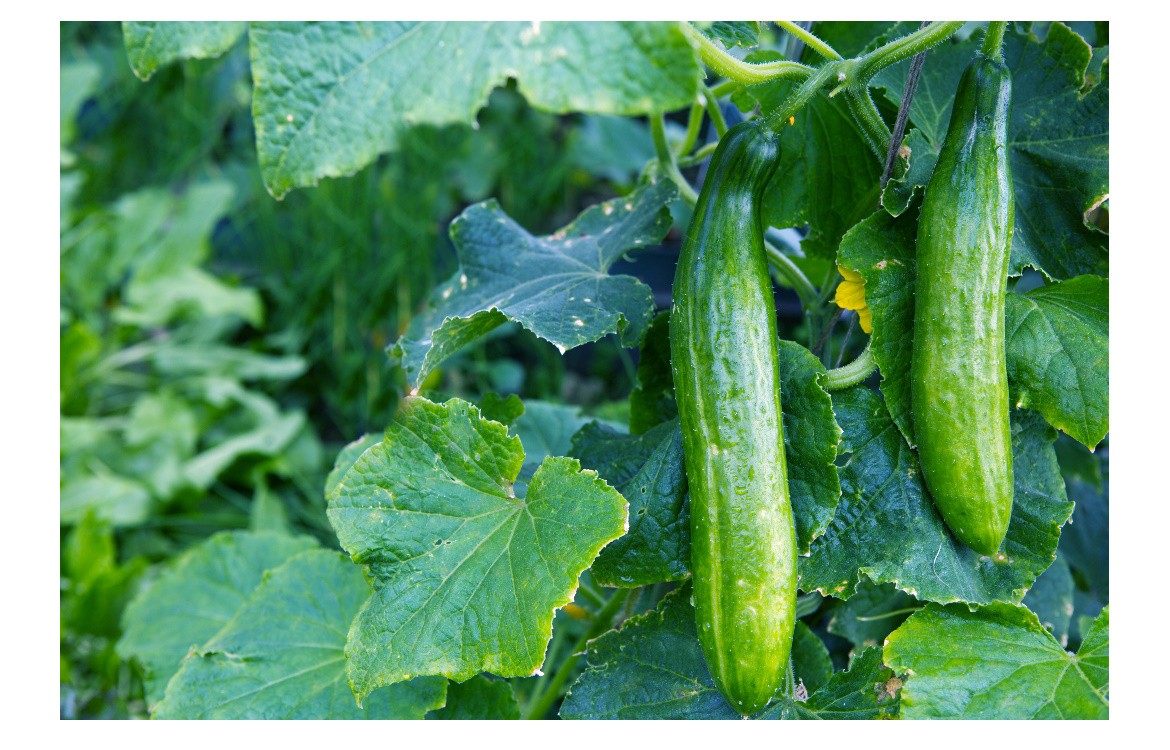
727 385
959 370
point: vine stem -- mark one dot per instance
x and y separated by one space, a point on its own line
713 111
851 374
873 127
666 159
718 60
694 123
779 117
902 48
993 40
604 618
810 40
791 272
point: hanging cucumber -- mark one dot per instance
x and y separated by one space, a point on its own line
727 386
959 372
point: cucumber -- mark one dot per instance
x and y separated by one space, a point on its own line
724 358
959 391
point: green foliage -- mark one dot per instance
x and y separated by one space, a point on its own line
219 346
558 286
468 574
997 662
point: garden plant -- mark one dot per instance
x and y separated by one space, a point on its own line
606 370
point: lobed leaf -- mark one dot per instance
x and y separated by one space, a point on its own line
997 663
466 574
558 286
282 655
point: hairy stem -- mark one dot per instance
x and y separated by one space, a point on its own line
904 47
792 273
718 60
851 374
993 40
810 40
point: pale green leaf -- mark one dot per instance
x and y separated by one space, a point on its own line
151 45
467 575
997 663
112 498
558 287
195 596
282 655
330 97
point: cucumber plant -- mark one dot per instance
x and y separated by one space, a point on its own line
860 418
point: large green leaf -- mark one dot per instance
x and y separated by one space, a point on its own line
1051 598
467 575
652 399
1058 136
558 287
997 663
653 668
1058 355
151 45
330 97
282 655
648 470
887 529
196 596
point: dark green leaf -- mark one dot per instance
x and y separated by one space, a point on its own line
1058 355
652 400
477 699
330 97
558 286
196 596
467 576
648 470
282 655
1051 599
546 429
1059 140
495 407
653 668
151 45
887 529
997 663
871 614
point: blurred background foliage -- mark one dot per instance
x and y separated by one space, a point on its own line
219 346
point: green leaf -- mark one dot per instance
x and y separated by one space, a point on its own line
1085 543
997 663
112 498
467 575
557 286
1051 599
79 80
495 407
652 399
282 655
196 596
613 148
189 293
653 668
648 470
346 458
330 97
1058 136
811 435
871 614
546 429
479 698
732 33
1058 355
881 249
828 176
94 587
151 45
887 529
812 666
182 360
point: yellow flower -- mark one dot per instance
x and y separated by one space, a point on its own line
851 296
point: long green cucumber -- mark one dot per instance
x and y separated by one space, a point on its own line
959 386
727 386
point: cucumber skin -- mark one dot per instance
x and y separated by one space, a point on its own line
727 386
959 389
